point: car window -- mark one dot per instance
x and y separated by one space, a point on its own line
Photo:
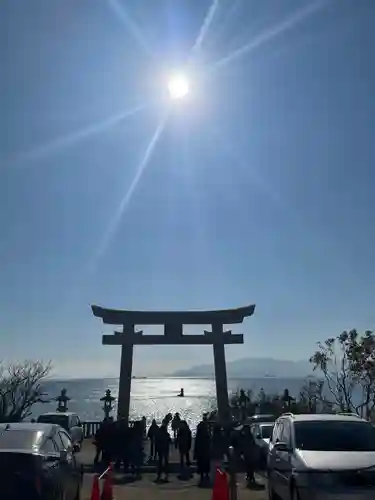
276 432
50 446
58 443
266 431
62 420
335 436
285 433
66 441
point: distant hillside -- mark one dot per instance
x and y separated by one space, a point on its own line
253 368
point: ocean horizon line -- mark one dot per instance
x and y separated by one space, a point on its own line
174 377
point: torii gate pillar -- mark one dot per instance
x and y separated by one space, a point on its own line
221 374
124 389
173 322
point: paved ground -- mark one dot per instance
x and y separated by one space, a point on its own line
175 489
146 487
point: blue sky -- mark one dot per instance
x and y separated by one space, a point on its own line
257 188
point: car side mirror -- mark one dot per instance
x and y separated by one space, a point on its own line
63 456
280 446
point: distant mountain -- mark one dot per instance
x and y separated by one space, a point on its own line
253 368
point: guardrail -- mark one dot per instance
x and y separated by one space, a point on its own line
90 427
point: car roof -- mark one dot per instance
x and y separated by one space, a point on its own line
323 417
58 413
29 426
30 436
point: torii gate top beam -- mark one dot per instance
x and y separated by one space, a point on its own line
223 316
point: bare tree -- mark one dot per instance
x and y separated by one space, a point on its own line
362 365
348 364
20 388
311 395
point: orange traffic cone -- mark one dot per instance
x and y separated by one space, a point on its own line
107 493
95 490
220 490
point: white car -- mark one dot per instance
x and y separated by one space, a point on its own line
68 421
262 435
321 457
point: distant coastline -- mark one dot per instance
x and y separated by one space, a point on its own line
253 368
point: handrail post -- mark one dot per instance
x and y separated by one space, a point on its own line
232 466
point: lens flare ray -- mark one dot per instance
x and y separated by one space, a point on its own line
79 135
205 26
122 14
271 33
129 193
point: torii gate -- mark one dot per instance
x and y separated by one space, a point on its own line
173 322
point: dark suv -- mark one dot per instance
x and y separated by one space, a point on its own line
37 462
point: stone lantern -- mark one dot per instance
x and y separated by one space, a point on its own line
62 401
108 403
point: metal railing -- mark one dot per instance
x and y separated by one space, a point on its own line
90 427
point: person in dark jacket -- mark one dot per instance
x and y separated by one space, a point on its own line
183 440
98 443
106 438
162 443
249 454
136 448
219 441
202 451
176 422
218 448
152 432
120 442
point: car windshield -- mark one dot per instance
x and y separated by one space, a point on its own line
266 431
61 420
335 436
19 439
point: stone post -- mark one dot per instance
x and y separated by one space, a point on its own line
108 403
62 401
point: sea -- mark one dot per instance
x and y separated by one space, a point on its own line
155 397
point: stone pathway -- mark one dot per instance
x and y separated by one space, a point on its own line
146 487
175 489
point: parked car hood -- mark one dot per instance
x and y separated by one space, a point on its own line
337 460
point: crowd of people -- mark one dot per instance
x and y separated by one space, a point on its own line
123 445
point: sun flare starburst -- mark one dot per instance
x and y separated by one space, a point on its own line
178 87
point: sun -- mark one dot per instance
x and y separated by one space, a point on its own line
178 87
